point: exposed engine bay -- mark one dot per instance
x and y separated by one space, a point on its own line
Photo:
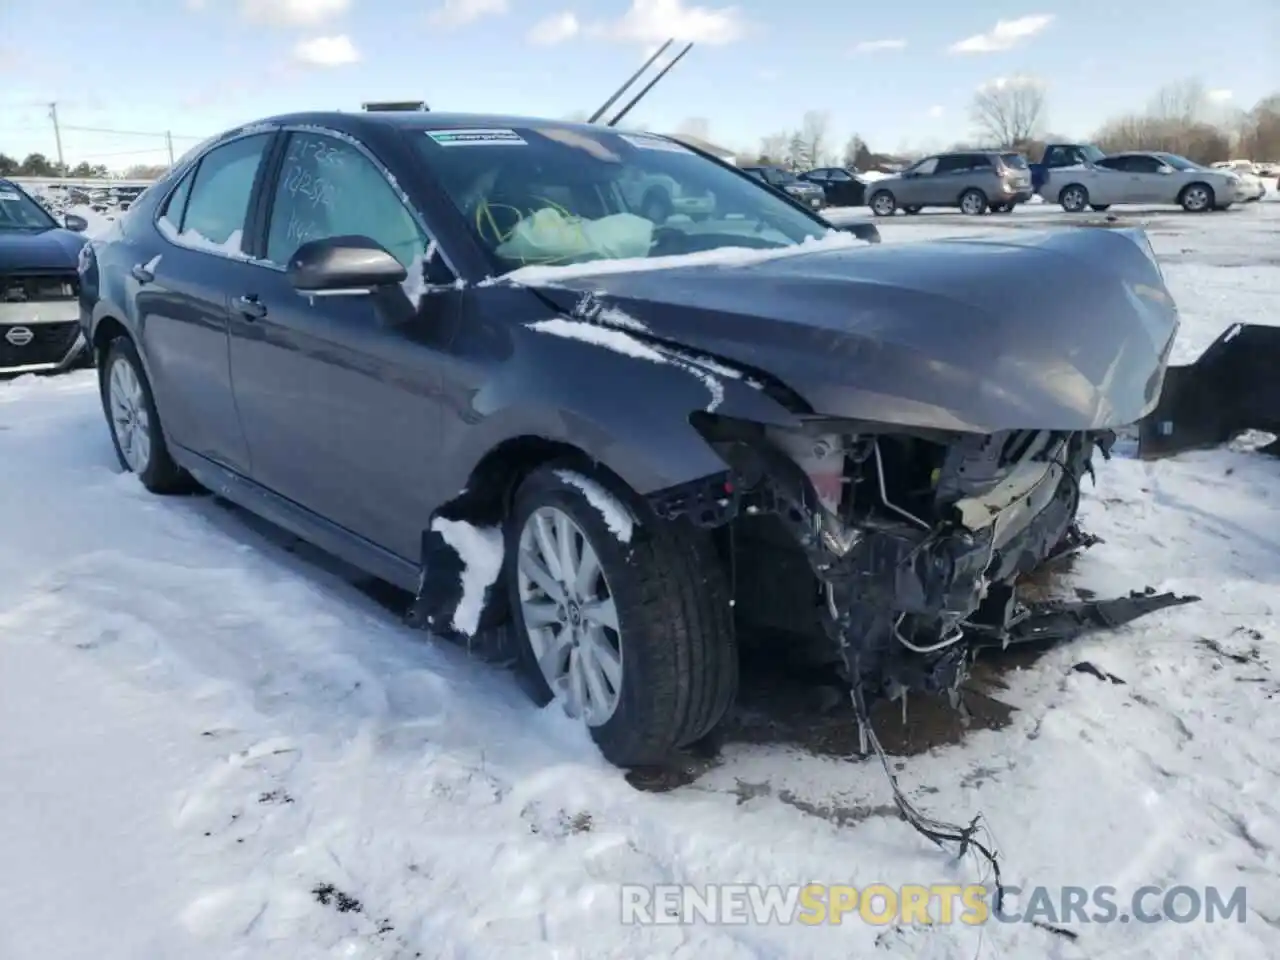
897 552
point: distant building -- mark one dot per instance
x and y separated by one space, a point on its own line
720 153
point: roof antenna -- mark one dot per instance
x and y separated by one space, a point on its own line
649 86
630 80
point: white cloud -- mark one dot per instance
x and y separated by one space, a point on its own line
1219 96
1005 35
459 13
879 46
292 13
936 111
554 29
326 51
654 21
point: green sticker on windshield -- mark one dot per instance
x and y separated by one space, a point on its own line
470 138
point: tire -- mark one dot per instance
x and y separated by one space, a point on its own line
1099 207
134 422
1196 198
656 207
1074 197
912 210
973 203
674 642
883 203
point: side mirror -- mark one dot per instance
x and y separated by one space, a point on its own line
343 266
1166 169
863 231
75 223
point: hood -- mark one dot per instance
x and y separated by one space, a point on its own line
1068 330
52 249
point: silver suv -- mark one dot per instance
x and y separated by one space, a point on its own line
975 182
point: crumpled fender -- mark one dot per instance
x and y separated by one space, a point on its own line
622 400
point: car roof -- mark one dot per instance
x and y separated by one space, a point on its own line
358 121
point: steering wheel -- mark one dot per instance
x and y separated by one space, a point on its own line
668 241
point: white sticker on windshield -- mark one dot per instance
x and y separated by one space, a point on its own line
465 138
644 141
10 195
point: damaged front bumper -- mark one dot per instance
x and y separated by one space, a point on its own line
916 542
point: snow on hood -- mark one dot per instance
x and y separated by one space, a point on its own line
537 276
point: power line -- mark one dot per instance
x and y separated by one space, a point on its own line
132 133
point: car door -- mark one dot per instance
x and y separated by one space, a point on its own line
913 188
1152 183
948 180
341 407
182 297
843 189
1109 181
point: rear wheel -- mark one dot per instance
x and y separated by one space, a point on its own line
883 203
634 637
134 421
973 203
1074 198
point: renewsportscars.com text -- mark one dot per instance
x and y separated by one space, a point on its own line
881 904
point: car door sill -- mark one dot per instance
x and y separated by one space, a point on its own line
301 522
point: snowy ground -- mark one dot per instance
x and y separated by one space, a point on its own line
201 731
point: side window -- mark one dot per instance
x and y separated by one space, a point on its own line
328 188
926 167
176 205
950 164
219 201
1142 164
979 161
1113 163
1063 157
841 176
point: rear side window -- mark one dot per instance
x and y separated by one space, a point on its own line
219 200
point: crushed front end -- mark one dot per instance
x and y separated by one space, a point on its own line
913 540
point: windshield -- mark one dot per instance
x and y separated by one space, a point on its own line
561 195
1177 162
19 212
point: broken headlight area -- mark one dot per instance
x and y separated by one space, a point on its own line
912 540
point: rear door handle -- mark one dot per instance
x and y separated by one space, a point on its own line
141 273
250 307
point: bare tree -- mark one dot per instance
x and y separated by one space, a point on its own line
774 149
809 144
857 155
1009 111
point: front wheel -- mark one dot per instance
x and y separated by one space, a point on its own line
883 203
627 625
1197 198
134 421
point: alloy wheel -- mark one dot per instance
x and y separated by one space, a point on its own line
570 615
130 421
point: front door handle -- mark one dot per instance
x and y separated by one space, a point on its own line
250 307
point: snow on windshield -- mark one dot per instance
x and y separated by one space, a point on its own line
556 195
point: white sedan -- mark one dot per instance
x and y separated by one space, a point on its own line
1142 178
1251 186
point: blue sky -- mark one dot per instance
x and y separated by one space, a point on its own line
194 67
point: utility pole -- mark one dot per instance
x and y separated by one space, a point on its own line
57 136
168 142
